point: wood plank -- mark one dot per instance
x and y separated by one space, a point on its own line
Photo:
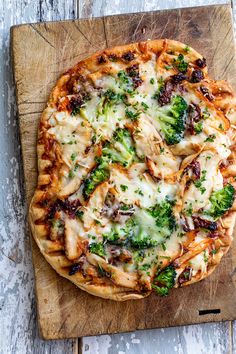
18 325
194 339
70 41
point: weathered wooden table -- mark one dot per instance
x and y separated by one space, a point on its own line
18 324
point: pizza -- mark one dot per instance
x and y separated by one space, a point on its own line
136 171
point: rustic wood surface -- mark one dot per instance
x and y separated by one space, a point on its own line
18 330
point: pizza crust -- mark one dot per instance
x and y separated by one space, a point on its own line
225 102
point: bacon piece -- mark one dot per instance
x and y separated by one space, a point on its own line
176 79
128 56
67 206
196 168
204 90
197 76
185 276
165 95
194 116
205 224
77 101
201 63
101 59
133 72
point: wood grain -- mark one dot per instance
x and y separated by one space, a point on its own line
59 46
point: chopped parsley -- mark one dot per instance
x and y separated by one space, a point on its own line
79 214
123 187
132 115
163 246
187 49
139 191
221 127
180 64
152 81
73 156
189 210
198 182
71 174
210 138
145 106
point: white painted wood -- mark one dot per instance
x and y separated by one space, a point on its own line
18 326
196 339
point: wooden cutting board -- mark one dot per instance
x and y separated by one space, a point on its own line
41 52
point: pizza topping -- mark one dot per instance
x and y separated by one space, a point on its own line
77 102
185 276
97 176
194 116
221 201
180 63
172 119
178 78
128 56
133 72
201 63
101 59
165 93
203 223
205 91
197 76
196 169
164 281
120 149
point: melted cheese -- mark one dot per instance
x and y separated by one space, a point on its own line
197 195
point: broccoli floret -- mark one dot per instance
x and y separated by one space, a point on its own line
153 226
221 201
142 240
97 248
164 281
112 237
120 149
172 119
108 101
97 176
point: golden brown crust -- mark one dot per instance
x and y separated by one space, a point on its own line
49 159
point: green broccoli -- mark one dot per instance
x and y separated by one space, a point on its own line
108 101
97 248
164 281
97 176
142 240
153 226
172 119
113 236
221 201
120 149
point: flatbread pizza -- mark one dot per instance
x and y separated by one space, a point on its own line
136 171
